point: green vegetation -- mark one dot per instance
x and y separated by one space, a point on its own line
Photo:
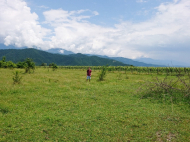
169 71
39 57
62 106
173 90
16 78
102 73
29 65
54 66
4 64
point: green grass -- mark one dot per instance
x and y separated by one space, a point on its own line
61 106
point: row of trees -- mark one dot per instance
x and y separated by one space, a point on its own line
27 64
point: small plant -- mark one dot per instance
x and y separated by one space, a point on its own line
54 66
17 78
102 73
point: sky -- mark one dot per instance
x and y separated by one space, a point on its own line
157 29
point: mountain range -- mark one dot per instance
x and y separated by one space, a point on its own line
39 57
70 58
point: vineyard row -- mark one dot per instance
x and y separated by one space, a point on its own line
132 69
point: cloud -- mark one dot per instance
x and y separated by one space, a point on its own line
18 26
61 51
140 1
43 7
95 13
168 28
165 35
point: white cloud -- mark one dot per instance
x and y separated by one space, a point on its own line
95 13
43 6
18 25
159 37
61 51
141 1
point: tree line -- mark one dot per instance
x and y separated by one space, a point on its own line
27 64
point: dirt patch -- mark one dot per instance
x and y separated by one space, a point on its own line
168 138
159 136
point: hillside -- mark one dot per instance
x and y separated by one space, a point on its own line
120 59
130 61
40 57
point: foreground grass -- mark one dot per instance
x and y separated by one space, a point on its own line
61 106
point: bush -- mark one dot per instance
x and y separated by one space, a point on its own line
29 65
102 73
3 64
167 90
44 64
53 65
16 78
9 64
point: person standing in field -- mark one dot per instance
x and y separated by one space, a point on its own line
88 74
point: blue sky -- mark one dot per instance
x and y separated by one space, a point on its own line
157 29
110 11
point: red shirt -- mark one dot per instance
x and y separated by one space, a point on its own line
89 72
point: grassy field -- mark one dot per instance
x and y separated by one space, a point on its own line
61 106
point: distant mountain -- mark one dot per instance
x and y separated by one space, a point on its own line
135 63
52 50
162 62
130 61
40 57
60 51
2 46
147 62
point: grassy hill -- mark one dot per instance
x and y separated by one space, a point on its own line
40 57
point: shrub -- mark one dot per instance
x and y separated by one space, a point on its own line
102 73
20 65
3 64
167 90
44 64
29 65
17 78
9 64
53 65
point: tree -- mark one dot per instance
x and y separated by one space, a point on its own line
53 65
11 65
3 59
4 64
28 65
44 64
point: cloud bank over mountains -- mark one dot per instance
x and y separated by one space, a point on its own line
165 35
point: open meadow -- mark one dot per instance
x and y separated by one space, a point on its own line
61 105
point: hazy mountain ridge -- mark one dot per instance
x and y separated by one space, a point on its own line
168 63
40 57
147 62
129 61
